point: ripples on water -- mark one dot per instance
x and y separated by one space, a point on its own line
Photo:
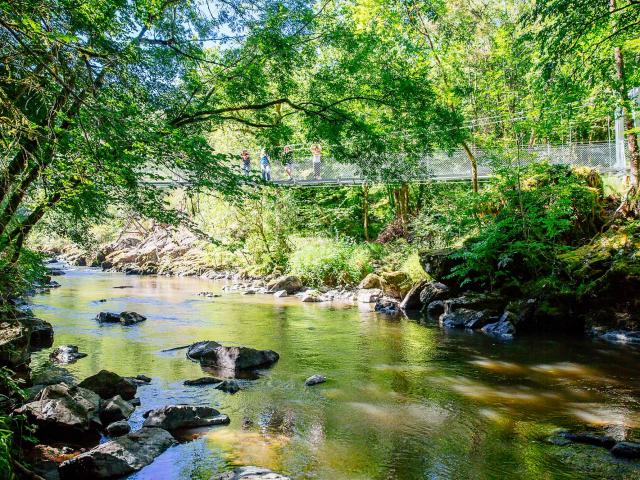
403 400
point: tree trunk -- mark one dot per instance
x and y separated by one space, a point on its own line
632 138
474 165
16 197
365 210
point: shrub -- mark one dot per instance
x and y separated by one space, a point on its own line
323 261
527 217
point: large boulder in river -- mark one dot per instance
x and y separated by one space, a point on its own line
64 412
434 291
395 284
290 283
118 457
216 355
108 384
175 417
412 300
250 473
370 281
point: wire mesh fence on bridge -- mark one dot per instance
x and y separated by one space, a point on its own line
444 166
436 166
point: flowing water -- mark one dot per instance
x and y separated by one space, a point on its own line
404 400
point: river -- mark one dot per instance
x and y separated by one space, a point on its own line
403 400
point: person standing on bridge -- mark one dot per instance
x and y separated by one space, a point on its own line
265 166
316 154
287 161
246 161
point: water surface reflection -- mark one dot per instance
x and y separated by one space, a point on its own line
403 400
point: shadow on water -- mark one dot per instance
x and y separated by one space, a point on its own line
403 400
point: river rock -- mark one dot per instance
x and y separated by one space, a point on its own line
108 317
250 473
66 354
395 284
311 296
621 336
119 428
465 318
125 318
411 300
475 301
281 294
118 457
438 263
14 343
41 332
290 283
174 417
387 306
202 381
502 329
115 409
315 380
435 309
108 384
228 386
61 411
371 295
630 450
231 358
433 291
370 281
129 318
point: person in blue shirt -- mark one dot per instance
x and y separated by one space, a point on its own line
265 166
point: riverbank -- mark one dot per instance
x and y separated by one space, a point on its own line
436 392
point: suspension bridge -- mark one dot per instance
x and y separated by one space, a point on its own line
443 166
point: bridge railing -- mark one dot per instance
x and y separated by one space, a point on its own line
436 166
441 165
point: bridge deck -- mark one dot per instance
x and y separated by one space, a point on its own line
438 166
